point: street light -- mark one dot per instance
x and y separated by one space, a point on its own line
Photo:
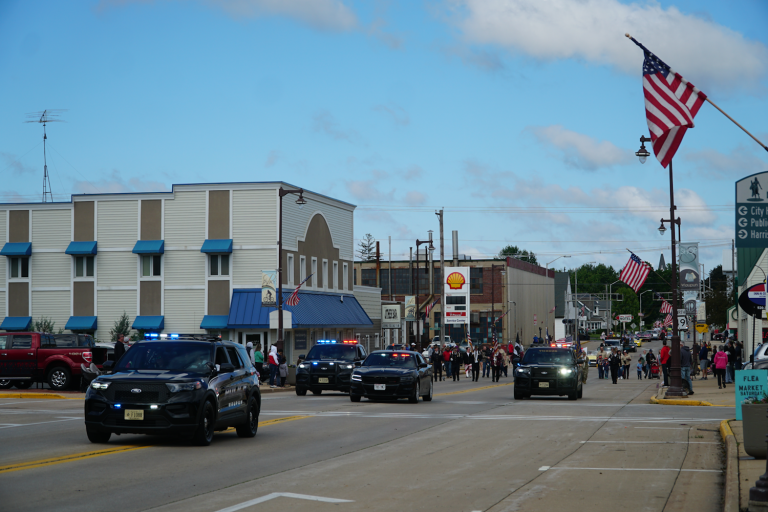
546 293
431 248
662 229
301 202
643 153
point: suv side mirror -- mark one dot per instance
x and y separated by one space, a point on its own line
423 365
302 357
107 365
226 367
358 363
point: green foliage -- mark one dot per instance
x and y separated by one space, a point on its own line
43 324
367 248
717 296
122 326
515 252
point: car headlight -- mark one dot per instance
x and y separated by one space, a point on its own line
357 377
186 386
523 371
347 366
302 365
100 385
565 371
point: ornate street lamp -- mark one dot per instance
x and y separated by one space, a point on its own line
301 202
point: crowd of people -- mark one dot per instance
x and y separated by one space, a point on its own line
449 362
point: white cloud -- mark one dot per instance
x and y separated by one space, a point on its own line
741 161
398 114
415 198
272 158
16 165
706 53
114 183
330 15
579 150
325 122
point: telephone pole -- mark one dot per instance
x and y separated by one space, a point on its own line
442 278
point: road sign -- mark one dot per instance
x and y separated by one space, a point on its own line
680 312
633 325
682 323
702 328
625 318
615 322
752 211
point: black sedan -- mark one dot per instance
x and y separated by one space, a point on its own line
391 375
630 346
548 371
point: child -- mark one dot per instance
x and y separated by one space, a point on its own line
640 369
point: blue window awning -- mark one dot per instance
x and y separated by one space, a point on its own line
81 248
17 249
149 247
81 323
149 323
16 323
217 246
313 310
214 322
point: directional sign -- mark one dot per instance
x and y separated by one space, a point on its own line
702 328
625 318
752 211
682 323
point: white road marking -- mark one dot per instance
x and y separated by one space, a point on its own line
544 468
650 442
9 425
665 428
274 495
643 469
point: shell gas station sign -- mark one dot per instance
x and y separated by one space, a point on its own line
456 287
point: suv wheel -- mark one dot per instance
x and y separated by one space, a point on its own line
5 383
414 398
301 391
581 392
354 398
519 395
251 425
59 378
572 395
428 397
204 433
98 436
317 391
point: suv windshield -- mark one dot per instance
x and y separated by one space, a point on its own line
612 343
168 355
548 356
333 351
391 359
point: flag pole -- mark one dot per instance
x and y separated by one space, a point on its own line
711 103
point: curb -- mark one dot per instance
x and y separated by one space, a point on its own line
731 498
38 395
675 401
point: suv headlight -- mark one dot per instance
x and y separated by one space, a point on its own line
357 377
347 366
565 371
523 371
186 386
302 365
100 385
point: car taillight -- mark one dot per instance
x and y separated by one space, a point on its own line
88 357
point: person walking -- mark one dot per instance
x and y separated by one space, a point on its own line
721 362
274 365
626 361
505 364
664 361
731 352
447 361
282 368
602 366
456 361
695 348
497 361
614 361
704 360
119 350
437 364
486 361
475 356
258 361
685 366
640 364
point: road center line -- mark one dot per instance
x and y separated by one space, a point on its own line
474 389
67 458
636 469
649 442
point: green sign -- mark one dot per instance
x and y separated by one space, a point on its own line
749 384
752 211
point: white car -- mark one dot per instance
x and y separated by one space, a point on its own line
446 340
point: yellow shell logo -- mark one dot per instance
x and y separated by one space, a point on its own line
455 281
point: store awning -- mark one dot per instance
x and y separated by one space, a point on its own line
214 322
313 310
217 246
16 323
149 323
81 323
17 249
149 247
81 248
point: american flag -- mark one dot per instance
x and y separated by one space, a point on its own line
635 272
657 323
582 310
668 320
666 307
293 300
671 103
429 307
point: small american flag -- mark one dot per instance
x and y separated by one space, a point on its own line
429 307
635 272
666 307
668 320
671 103
582 310
293 300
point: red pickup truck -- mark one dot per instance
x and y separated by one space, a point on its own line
27 357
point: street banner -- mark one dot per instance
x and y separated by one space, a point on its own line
390 316
749 384
410 308
268 286
689 266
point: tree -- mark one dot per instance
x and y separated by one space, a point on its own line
515 252
367 248
717 297
122 326
44 324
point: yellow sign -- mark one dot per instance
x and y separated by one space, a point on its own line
702 328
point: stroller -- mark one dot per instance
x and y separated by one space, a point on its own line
655 370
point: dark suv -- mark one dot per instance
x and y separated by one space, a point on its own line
549 371
185 387
328 366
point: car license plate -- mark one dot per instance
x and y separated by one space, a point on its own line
322 380
134 414
541 385
379 387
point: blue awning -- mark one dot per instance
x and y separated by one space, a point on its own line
214 322
81 323
17 249
313 310
16 323
217 246
81 248
149 323
149 247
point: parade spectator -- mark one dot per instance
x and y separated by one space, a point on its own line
704 360
685 366
664 360
614 361
447 361
626 361
437 364
720 361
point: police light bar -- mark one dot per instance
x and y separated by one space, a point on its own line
151 335
326 341
173 336
354 342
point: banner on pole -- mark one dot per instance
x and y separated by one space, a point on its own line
268 287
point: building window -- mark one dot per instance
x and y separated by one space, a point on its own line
401 281
335 275
476 280
345 277
325 274
19 268
290 269
219 265
302 268
84 266
368 277
314 272
150 265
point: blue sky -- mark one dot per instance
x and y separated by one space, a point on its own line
520 117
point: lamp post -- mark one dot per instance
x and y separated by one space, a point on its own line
493 298
301 202
546 275
675 377
431 247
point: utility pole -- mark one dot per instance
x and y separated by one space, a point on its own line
378 266
443 328
390 267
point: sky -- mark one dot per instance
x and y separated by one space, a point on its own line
519 117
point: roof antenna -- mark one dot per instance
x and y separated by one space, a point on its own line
46 116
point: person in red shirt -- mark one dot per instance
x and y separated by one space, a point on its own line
664 360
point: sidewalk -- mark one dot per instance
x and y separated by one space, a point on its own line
705 392
749 468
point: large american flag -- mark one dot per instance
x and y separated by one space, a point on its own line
666 307
293 300
635 273
671 103
668 320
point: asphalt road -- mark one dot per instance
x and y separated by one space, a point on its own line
472 448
